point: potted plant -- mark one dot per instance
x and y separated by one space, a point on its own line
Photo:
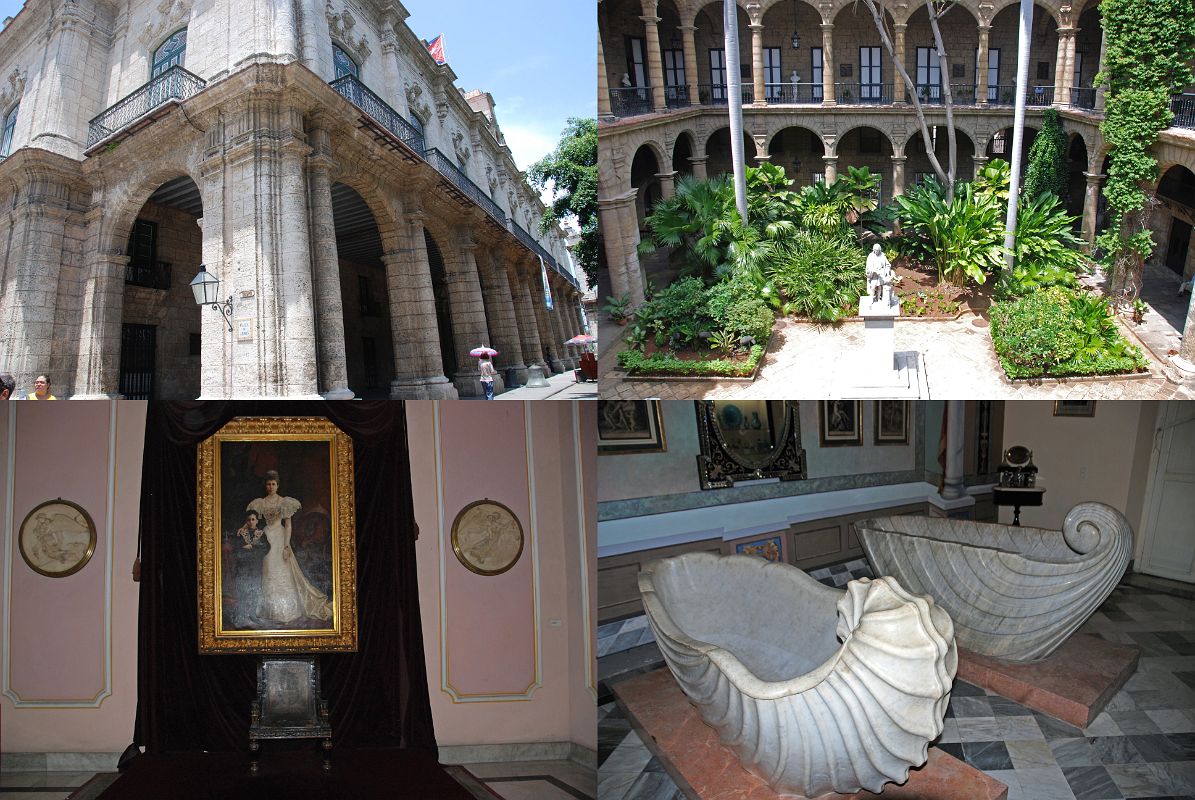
1139 309
617 307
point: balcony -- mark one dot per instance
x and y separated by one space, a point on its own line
865 93
1083 98
1183 107
676 96
630 101
151 275
137 109
793 93
381 114
462 186
961 94
1035 96
716 94
529 242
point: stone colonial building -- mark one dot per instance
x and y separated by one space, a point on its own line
364 215
820 93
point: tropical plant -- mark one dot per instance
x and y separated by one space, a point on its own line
1047 252
993 180
617 307
963 238
1139 310
725 341
736 305
821 275
1047 170
829 207
571 173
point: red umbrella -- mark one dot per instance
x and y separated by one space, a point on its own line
583 338
483 351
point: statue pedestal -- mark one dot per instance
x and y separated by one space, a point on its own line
878 370
879 338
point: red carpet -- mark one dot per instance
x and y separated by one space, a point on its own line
286 775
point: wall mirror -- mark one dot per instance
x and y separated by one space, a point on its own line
748 440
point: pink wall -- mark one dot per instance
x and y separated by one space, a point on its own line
482 449
58 647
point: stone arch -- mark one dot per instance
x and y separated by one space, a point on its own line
1077 156
684 147
646 164
689 14
719 156
917 160
842 135
767 5
125 200
1004 135
1050 8
798 150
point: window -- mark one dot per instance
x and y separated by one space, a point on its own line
363 296
674 68
636 66
417 123
170 54
718 74
771 73
929 75
344 64
1078 81
871 78
10 124
816 78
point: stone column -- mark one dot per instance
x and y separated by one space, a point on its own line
831 163
418 365
1064 66
329 322
655 64
293 302
828 95
1091 200
604 111
699 167
952 486
621 243
898 46
98 374
981 80
757 76
556 321
689 36
467 310
531 347
667 184
898 175
499 310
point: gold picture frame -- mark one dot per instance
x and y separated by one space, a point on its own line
57 538
285 580
483 537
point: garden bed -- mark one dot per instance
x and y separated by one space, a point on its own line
692 364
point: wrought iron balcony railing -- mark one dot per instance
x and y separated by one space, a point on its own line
173 84
961 94
460 180
792 93
1034 95
630 101
867 93
379 111
676 96
151 275
1183 107
1083 97
715 94
535 247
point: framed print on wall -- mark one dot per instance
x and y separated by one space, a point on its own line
892 422
840 423
277 537
630 426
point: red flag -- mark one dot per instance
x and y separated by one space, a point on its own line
436 48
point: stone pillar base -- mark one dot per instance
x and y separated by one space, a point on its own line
556 366
520 374
339 394
435 388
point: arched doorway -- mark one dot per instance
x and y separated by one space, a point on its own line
160 322
644 169
368 344
1076 179
918 164
868 147
682 151
799 151
1000 146
435 260
719 158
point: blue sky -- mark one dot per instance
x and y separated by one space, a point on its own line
538 58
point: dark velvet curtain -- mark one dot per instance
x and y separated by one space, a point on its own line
378 696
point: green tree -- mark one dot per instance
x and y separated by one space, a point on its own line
1150 45
1047 160
572 171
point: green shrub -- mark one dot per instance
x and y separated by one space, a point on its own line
1047 250
672 315
963 239
636 363
1060 332
735 305
822 276
1047 172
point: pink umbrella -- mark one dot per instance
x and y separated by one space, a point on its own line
583 338
483 351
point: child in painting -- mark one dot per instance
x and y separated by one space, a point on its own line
249 532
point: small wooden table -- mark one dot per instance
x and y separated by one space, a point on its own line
1016 497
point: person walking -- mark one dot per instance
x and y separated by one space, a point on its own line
487 377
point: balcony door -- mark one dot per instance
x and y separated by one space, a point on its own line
871 77
138 349
636 63
718 75
674 74
815 72
172 53
993 74
929 75
772 77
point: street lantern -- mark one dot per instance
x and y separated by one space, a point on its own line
206 288
796 41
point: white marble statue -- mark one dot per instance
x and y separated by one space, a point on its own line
794 78
816 689
626 81
1014 593
879 275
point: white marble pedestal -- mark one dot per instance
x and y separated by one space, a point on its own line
879 371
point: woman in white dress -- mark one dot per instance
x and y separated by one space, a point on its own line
286 594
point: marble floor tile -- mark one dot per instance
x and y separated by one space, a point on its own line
615 785
1178 777
964 689
1185 741
1134 722
978 729
1115 750
653 786
1104 725
529 790
1056 728
987 755
1019 728
1003 707
1044 783
1009 778
1030 753
1157 748
1137 780
1091 783
949 732
630 756
971 707
1073 752
1172 720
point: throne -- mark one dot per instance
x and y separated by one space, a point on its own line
288 705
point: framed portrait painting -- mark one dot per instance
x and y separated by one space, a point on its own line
277 538
630 426
892 422
840 423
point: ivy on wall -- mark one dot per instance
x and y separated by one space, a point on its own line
1150 44
1047 160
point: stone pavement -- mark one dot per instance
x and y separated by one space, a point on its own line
807 361
560 387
